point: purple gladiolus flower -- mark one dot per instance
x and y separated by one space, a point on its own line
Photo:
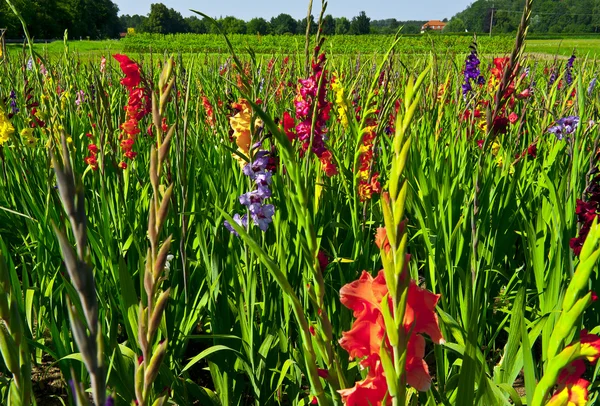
569 70
471 73
591 86
240 220
13 103
564 127
262 215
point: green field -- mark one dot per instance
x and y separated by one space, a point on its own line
353 227
213 44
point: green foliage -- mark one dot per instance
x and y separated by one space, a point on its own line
258 25
360 24
283 24
48 19
548 16
255 319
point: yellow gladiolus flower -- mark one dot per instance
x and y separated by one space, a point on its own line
6 128
495 148
27 133
240 123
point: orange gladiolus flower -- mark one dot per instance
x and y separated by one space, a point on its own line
365 338
369 392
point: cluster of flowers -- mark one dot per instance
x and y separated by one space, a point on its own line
587 210
92 158
501 122
565 126
138 106
366 338
32 106
572 389
310 100
259 171
569 70
367 179
13 104
210 114
472 73
340 101
6 128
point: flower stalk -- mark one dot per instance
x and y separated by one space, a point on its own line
394 255
151 314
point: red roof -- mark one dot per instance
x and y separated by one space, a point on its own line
434 25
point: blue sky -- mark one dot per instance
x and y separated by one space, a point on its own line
246 9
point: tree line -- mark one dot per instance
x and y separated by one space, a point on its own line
48 19
164 20
547 17
99 19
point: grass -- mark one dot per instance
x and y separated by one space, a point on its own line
565 47
90 50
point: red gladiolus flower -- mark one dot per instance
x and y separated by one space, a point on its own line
323 260
289 126
512 117
572 389
93 148
587 210
130 69
92 161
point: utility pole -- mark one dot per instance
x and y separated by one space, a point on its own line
492 20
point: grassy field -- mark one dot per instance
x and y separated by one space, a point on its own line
224 231
342 44
565 47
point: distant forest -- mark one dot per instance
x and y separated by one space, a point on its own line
547 17
99 19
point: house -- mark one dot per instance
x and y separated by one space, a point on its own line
435 25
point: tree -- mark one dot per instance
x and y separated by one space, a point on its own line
135 21
360 24
258 25
283 24
456 24
328 25
342 26
196 25
157 20
232 25
301 26
163 20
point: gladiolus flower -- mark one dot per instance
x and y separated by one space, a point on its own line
130 69
365 338
381 240
6 128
